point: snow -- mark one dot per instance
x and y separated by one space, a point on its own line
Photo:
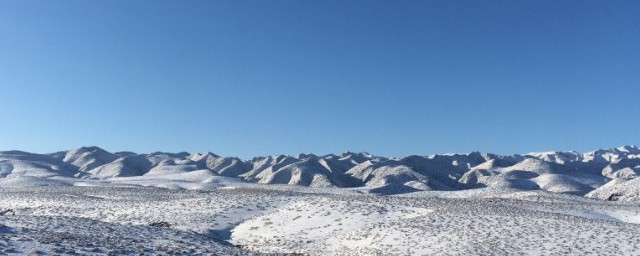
618 189
268 219
559 172
90 201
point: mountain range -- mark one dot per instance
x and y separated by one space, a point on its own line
610 174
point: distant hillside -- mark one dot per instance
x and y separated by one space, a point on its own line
608 174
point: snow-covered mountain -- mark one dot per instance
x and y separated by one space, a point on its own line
598 174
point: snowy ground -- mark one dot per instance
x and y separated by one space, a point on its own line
265 219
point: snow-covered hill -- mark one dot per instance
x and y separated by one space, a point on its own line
560 172
66 220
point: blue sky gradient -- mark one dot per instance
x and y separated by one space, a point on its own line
246 78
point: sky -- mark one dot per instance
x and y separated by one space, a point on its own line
252 78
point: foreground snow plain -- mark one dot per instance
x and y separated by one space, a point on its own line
96 218
89 201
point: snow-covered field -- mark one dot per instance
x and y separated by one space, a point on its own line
290 219
91 201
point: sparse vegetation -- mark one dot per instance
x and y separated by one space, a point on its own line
104 220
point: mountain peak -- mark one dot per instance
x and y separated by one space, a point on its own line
633 149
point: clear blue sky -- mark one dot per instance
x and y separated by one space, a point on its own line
245 78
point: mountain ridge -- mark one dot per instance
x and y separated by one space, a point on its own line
567 172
